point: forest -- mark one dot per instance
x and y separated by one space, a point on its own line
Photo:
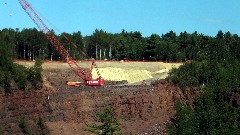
28 44
213 71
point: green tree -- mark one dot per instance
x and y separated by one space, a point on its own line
184 39
151 52
7 47
78 41
40 123
35 73
216 110
108 125
170 37
23 126
6 55
19 74
118 49
186 123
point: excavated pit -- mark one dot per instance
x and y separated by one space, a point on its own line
140 108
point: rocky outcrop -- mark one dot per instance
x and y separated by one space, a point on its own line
139 108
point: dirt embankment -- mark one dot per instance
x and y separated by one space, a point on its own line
30 106
139 109
66 110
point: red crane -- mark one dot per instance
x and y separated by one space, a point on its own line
87 78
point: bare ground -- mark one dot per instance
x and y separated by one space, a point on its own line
140 109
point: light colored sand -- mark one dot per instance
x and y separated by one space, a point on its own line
118 74
116 71
134 71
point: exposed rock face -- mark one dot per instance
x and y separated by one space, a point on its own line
66 110
139 109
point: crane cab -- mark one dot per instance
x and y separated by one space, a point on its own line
98 82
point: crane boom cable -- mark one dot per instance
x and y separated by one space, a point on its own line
53 39
60 48
74 44
69 40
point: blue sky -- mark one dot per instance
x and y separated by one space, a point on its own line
146 16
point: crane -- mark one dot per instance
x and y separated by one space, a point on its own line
87 78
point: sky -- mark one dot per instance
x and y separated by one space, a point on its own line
146 16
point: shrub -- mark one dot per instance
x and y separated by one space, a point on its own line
6 81
20 75
40 123
109 125
194 74
23 126
35 73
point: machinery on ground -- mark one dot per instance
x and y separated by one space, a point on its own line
87 78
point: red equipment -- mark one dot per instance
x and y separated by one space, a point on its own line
60 48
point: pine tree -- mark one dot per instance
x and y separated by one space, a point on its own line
108 125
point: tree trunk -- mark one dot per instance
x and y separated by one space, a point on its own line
96 53
104 54
29 54
100 54
110 53
24 53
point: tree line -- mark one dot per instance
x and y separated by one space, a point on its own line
214 70
28 44
12 75
215 74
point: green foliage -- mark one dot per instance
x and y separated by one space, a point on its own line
195 74
40 123
22 125
217 110
43 130
29 44
11 73
186 122
6 81
19 74
35 73
108 125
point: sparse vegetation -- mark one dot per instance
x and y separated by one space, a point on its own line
35 74
23 126
108 125
12 107
40 123
12 74
41 126
4 127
